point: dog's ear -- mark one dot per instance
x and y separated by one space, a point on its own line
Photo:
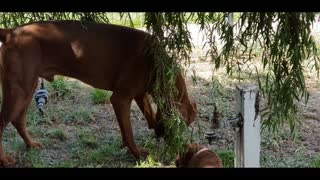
193 148
182 157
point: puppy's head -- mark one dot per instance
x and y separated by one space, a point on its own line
197 156
183 159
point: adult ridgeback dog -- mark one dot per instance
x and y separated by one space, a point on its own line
197 156
104 56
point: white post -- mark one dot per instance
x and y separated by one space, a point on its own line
247 143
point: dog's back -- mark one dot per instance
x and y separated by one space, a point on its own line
108 54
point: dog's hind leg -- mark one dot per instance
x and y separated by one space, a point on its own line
121 108
19 80
14 108
20 124
5 160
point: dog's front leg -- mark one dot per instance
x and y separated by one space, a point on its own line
121 108
153 119
145 106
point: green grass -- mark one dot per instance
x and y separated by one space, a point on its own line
79 116
35 158
65 164
88 139
108 154
99 96
294 160
57 134
15 144
35 118
60 87
150 162
316 162
227 158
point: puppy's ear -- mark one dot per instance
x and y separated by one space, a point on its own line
193 148
181 157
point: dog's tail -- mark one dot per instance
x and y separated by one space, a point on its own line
3 34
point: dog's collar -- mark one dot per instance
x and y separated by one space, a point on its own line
200 151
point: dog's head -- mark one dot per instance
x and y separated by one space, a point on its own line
192 110
189 111
183 158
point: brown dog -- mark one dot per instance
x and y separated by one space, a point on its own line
197 156
104 56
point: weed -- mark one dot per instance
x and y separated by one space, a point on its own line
99 96
316 162
227 158
57 134
61 88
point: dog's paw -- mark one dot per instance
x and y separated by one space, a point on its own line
35 145
140 153
143 152
7 161
123 145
